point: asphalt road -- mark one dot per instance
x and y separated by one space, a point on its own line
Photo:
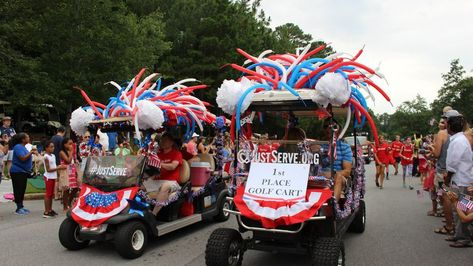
398 232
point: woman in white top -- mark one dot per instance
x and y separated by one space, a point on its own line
50 176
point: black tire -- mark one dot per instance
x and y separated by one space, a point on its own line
131 239
222 216
224 248
328 251
358 224
69 235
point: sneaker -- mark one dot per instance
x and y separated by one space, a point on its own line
21 212
48 215
411 187
26 210
54 213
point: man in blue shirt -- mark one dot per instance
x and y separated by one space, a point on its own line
342 163
57 140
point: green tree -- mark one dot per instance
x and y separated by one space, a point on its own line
410 117
205 34
449 93
288 37
54 45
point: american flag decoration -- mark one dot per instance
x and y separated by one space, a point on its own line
153 160
465 203
94 207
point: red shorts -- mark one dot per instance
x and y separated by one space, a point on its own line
49 187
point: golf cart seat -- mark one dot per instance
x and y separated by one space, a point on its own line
171 211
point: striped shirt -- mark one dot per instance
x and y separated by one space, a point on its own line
344 154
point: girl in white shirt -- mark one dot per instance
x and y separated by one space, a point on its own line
50 176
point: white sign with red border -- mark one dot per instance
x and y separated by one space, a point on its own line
277 181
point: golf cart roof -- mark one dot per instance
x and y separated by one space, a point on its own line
284 100
113 120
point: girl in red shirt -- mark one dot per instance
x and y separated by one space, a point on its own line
171 160
407 157
381 156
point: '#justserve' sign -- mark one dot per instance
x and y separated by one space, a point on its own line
277 181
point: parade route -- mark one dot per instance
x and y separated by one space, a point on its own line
398 232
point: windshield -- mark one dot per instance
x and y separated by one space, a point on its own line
360 140
113 172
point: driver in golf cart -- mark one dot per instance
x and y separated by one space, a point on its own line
167 182
342 161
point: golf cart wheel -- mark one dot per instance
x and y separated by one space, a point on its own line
224 248
131 239
223 216
328 251
358 224
69 235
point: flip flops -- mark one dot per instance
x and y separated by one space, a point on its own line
444 230
461 245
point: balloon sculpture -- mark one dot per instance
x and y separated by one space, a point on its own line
148 105
336 79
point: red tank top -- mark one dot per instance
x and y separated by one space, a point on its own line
408 151
396 145
382 153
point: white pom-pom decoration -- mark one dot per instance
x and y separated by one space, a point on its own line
331 88
80 119
103 139
230 93
149 116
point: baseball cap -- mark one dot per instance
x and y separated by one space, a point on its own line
195 135
450 114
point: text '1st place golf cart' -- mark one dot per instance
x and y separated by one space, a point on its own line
116 198
299 193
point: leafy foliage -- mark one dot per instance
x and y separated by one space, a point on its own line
50 46
410 117
450 92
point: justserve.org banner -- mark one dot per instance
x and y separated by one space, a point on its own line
113 170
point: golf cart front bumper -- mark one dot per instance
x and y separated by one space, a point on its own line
246 224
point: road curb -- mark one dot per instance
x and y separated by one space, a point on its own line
34 196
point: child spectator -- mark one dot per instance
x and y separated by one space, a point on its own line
50 176
68 177
123 148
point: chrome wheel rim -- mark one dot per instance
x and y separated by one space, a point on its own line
137 240
226 205
340 259
234 253
76 235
